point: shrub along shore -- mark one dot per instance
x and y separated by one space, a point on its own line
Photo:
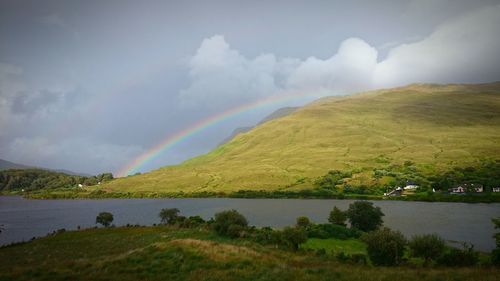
255 194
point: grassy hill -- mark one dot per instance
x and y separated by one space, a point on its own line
436 127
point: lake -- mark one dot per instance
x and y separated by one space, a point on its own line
23 219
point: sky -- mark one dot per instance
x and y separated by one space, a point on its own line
89 86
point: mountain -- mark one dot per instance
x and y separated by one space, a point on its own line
5 165
432 127
235 132
284 111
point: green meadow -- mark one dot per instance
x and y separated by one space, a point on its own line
170 253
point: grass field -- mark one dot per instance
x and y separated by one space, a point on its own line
349 246
435 126
163 253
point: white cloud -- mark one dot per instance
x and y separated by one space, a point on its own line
463 50
350 69
466 49
221 75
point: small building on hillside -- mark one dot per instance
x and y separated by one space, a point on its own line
495 189
466 187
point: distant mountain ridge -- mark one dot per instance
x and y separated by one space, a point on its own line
5 165
284 111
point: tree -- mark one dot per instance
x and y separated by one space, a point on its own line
225 219
303 222
363 216
495 254
460 257
104 218
337 216
90 181
294 236
104 177
385 247
428 246
169 216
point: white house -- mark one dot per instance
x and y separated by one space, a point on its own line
80 185
410 185
466 187
495 189
457 189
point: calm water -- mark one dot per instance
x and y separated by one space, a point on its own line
23 219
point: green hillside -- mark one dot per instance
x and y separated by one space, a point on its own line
434 128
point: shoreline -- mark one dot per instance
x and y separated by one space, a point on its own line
260 194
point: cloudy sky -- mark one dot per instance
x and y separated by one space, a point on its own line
91 85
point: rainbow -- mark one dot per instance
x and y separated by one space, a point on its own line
136 164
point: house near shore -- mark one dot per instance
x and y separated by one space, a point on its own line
495 189
466 187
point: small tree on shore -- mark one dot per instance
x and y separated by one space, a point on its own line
428 246
294 236
385 246
229 223
169 216
303 222
104 218
337 216
364 216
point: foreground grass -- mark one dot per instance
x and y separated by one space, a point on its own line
163 253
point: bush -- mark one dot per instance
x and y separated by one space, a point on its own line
235 230
303 222
267 235
385 246
169 216
193 221
428 247
321 252
459 257
225 219
104 218
325 231
342 256
363 216
360 259
495 254
294 236
337 216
